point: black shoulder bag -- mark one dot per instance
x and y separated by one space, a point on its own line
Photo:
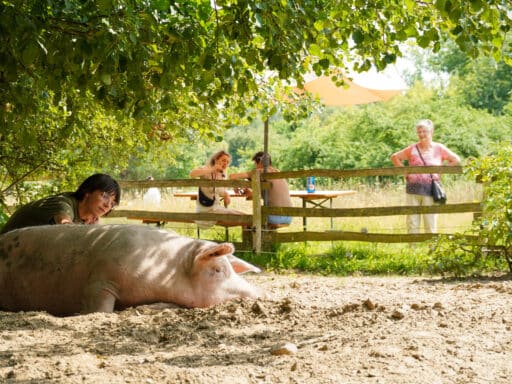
437 192
204 200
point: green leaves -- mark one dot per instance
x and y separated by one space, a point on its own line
495 226
158 62
358 36
192 42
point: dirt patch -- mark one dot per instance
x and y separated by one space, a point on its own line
311 330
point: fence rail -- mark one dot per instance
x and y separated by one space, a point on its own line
371 211
259 236
184 217
288 237
364 172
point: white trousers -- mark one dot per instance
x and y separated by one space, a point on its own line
414 221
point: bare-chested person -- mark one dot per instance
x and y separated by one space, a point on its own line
278 194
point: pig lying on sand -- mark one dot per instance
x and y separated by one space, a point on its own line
68 269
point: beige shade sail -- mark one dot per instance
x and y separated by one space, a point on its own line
350 94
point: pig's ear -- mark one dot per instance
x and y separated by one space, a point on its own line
227 249
215 250
241 266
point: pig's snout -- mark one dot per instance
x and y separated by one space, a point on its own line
239 288
253 293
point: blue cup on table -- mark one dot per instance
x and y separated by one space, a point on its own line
310 184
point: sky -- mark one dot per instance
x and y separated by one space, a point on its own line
390 78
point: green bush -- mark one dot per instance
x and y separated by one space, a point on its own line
492 232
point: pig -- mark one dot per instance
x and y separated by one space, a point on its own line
70 269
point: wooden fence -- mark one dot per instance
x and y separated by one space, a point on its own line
256 237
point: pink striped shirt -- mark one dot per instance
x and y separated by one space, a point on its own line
437 154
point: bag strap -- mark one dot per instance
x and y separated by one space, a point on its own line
422 159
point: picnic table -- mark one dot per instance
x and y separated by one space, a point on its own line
317 199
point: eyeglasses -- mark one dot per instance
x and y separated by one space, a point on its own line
108 198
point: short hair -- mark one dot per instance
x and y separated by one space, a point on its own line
258 157
425 123
98 182
217 155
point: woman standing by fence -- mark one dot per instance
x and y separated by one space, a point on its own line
419 186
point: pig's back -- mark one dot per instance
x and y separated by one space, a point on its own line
49 267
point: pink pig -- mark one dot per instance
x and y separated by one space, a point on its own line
70 269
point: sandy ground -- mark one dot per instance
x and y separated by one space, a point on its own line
311 330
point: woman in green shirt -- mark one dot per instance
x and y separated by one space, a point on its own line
95 197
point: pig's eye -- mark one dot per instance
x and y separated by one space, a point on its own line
217 271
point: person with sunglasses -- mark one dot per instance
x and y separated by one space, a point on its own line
95 197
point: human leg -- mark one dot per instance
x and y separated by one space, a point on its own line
413 220
429 220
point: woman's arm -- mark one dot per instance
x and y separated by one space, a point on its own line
397 158
241 175
451 157
203 171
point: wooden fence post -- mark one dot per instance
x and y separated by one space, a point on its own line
256 211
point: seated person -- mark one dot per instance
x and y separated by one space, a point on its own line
95 197
278 194
213 199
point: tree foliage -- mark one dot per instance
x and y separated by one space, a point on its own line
84 84
485 84
146 56
365 136
495 172
482 83
493 228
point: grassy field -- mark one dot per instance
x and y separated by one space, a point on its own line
335 257
366 196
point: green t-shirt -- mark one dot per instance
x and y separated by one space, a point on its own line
43 212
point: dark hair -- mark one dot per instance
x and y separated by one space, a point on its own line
258 157
218 155
98 182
